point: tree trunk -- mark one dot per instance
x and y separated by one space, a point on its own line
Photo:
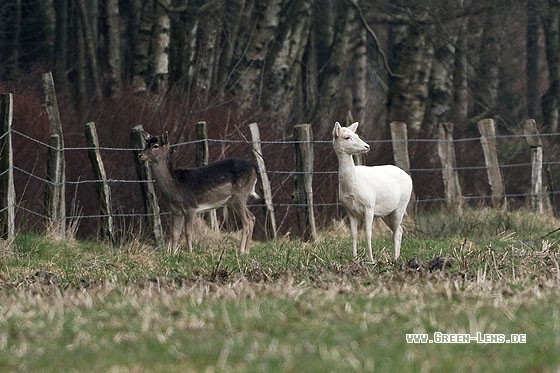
233 16
80 76
207 50
130 12
141 49
359 69
89 47
532 61
248 88
331 74
150 65
283 76
11 33
184 31
61 46
440 87
460 78
48 15
551 25
320 40
160 47
489 76
409 92
112 39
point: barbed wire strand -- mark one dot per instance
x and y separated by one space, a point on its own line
279 172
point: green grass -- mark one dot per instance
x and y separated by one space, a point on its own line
289 305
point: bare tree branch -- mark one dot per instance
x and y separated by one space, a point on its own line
375 39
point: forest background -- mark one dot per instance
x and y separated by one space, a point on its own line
167 64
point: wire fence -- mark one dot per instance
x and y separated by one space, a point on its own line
325 176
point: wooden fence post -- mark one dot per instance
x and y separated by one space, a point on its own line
538 198
106 230
54 189
399 140
303 193
270 221
55 193
201 159
487 130
201 156
7 190
446 152
144 172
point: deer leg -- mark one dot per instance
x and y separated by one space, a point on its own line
394 222
354 229
368 223
247 222
189 228
397 238
176 228
248 226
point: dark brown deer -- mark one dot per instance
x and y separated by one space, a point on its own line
187 191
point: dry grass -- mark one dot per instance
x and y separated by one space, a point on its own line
289 306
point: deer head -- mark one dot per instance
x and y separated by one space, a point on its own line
156 149
345 140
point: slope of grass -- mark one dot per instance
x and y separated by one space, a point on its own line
289 305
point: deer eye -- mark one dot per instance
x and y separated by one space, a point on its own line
155 146
346 137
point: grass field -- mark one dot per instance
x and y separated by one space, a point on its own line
289 306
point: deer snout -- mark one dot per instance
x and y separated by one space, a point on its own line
142 156
367 147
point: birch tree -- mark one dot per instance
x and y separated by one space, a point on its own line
550 15
460 77
113 81
333 59
61 62
150 68
440 88
10 29
251 61
89 45
283 74
409 91
488 73
533 80
293 61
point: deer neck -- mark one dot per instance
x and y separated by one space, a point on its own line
346 172
162 173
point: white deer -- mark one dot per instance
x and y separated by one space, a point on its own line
188 191
369 192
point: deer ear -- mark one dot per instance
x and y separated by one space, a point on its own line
165 138
353 127
336 129
146 135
